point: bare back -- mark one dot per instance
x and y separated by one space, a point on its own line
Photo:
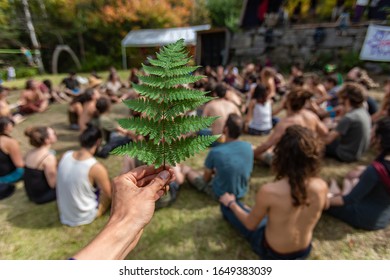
290 229
222 108
306 119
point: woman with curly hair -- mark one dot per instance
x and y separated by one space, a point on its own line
280 225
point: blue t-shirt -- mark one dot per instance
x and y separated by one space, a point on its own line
233 163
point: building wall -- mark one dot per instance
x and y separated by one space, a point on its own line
294 43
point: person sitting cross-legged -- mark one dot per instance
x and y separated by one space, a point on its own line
351 137
365 202
227 166
83 185
280 225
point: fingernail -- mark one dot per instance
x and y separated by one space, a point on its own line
164 175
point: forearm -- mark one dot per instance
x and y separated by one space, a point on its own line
241 215
114 242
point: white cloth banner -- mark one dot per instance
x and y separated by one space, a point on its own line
376 46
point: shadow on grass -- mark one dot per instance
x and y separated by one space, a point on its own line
25 214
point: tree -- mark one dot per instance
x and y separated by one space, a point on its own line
149 13
33 36
225 13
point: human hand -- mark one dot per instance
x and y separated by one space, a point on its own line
227 198
135 193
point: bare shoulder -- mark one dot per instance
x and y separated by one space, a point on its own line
318 184
98 170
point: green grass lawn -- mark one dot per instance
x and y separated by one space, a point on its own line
192 228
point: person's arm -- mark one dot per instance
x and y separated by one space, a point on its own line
280 107
252 219
133 205
341 129
15 154
249 115
321 128
271 141
332 135
99 175
366 183
271 88
50 169
207 174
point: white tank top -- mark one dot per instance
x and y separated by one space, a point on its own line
76 196
262 116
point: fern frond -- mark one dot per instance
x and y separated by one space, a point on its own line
175 128
164 82
168 95
183 106
148 106
187 147
154 70
164 101
142 126
147 152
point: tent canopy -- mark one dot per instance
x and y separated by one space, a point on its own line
161 37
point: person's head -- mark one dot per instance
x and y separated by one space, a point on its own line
297 98
233 126
297 68
103 105
267 73
252 78
304 152
90 138
31 84
297 82
41 135
352 95
354 74
48 84
386 86
6 125
260 94
72 75
113 77
330 82
220 90
382 135
3 92
313 80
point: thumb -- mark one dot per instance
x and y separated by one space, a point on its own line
160 181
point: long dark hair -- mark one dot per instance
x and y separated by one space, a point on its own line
297 157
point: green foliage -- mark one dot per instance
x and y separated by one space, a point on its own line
225 13
164 101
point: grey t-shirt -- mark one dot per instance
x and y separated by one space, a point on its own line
354 129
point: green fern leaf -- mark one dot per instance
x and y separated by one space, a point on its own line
164 101
150 107
184 148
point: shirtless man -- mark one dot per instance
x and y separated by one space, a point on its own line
220 107
296 115
32 100
280 225
5 110
88 108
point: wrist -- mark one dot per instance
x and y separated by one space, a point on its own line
230 203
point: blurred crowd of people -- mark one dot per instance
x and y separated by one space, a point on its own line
305 117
